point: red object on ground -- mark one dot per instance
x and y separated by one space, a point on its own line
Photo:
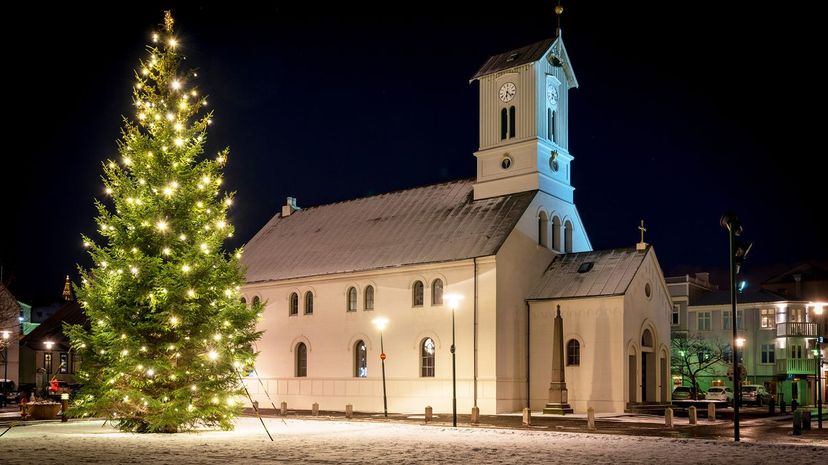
53 385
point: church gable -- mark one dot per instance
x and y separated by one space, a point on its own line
427 224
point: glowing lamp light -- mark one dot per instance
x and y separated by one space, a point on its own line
150 372
185 268
380 323
6 335
48 344
190 293
173 320
221 224
161 225
178 142
155 37
453 300
740 342
819 308
173 42
176 84
124 353
166 251
212 355
108 190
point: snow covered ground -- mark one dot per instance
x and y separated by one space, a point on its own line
343 442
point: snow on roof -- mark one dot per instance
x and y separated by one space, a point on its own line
570 275
427 224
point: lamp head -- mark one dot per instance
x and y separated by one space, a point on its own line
6 335
819 308
740 342
380 323
453 300
48 344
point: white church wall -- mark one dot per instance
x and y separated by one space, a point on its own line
653 312
596 323
331 332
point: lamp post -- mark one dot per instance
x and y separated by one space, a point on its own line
737 252
380 323
740 344
453 301
5 342
818 309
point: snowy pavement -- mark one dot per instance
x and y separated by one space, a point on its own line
344 442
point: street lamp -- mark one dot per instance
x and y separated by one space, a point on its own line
5 343
738 252
818 309
380 323
740 343
453 301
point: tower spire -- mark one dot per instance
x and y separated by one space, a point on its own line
67 290
558 13
168 21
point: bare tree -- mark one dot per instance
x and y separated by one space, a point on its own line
9 309
693 356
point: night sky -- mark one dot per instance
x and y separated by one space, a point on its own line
683 111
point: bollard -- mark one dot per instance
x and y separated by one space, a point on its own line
475 415
711 412
806 420
64 405
691 414
771 407
668 417
782 406
349 411
315 409
527 417
794 405
428 414
591 419
797 423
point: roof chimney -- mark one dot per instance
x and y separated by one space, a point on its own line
290 207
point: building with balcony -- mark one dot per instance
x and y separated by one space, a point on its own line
780 335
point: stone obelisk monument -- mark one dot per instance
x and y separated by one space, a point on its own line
558 397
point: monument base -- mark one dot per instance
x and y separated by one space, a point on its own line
557 409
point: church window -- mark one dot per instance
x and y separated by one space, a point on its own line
573 353
437 292
352 299
369 298
301 360
543 229
647 339
550 122
511 122
256 300
504 123
360 360
309 303
417 297
556 233
293 306
568 237
244 301
427 358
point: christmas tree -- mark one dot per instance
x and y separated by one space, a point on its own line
169 336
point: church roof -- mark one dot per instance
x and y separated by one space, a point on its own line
427 224
519 56
570 275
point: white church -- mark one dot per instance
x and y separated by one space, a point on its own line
510 242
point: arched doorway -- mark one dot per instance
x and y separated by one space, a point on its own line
648 367
632 376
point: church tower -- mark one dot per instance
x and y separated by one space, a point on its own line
524 122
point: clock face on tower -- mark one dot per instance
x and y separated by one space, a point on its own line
507 91
552 95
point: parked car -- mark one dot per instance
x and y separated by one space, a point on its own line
7 386
719 393
683 393
755 394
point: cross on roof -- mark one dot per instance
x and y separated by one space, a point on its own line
643 230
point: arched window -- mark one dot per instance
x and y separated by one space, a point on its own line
437 292
256 300
568 237
352 299
573 353
244 301
417 294
360 360
301 360
550 124
647 338
504 123
293 306
543 229
427 358
309 303
369 298
511 121
556 233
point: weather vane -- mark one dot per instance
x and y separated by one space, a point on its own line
558 13
168 21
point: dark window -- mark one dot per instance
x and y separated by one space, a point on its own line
427 358
417 297
573 353
504 124
550 123
369 298
47 362
256 300
352 299
568 237
244 301
308 303
543 229
293 307
511 122
437 292
360 360
301 360
556 233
